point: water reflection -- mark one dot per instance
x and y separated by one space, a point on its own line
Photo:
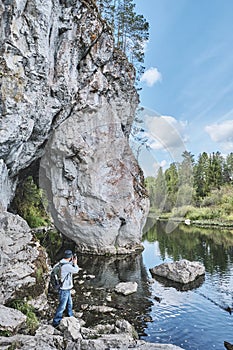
202 317
108 272
195 319
210 246
179 286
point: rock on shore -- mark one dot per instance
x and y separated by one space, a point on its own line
120 335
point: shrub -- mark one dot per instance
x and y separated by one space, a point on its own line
204 214
32 321
182 211
29 203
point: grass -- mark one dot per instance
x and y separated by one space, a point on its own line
32 322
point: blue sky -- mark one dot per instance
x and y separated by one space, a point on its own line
189 78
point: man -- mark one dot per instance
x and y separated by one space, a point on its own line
69 266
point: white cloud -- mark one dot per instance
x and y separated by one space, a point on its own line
163 163
157 165
166 133
151 76
222 133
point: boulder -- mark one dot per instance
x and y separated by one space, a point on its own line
68 97
126 288
119 336
46 338
18 257
70 326
11 319
182 271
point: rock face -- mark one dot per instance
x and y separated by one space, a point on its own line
18 257
63 85
10 319
182 271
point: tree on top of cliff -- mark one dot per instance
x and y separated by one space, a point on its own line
131 30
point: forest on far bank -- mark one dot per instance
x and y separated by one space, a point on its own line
196 190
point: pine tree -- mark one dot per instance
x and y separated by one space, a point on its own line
202 176
186 169
229 167
130 29
172 182
160 190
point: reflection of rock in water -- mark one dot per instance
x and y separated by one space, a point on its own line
179 286
109 271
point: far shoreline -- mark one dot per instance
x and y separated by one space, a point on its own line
208 223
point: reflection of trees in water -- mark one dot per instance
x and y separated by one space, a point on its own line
211 246
108 272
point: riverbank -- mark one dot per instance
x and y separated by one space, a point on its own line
189 219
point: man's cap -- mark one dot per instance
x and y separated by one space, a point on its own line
68 254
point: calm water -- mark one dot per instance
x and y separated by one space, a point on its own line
195 319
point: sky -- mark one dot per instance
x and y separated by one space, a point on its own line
187 87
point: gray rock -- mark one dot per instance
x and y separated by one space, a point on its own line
141 345
18 255
126 288
64 85
123 326
182 271
39 303
70 326
6 186
11 319
47 338
101 309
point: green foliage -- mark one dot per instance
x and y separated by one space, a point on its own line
131 30
5 333
15 345
204 214
32 321
29 203
198 191
182 212
39 274
190 242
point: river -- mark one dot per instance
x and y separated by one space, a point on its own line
194 319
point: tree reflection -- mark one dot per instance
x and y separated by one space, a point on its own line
213 247
108 272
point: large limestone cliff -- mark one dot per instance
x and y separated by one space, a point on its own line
67 99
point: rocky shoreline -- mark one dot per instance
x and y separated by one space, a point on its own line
72 334
21 259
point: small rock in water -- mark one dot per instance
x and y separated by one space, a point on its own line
126 288
109 298
157 299
90 277
228 346
229 309
147 319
